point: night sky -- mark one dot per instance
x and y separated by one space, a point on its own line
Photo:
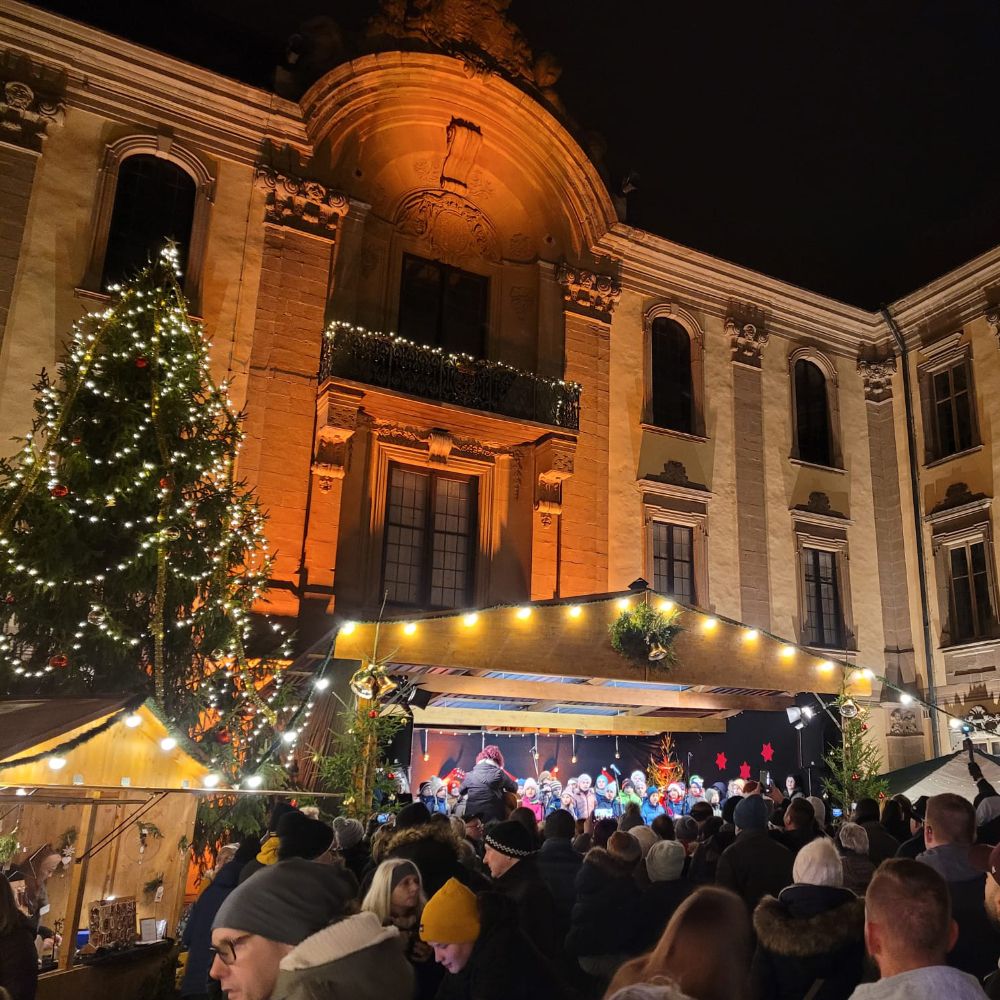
852 149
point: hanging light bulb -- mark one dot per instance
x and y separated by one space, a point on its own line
168 743
57 763
254 781
618 756
321 683
573 758
211 780
133 720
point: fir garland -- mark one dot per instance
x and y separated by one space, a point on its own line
637 629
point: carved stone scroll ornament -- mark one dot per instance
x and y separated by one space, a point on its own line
453 227
748 340
337 421
903 722
553 464
877 378
464 141
301 204
598 293
993 318
25 116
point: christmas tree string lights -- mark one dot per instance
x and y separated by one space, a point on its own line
130 556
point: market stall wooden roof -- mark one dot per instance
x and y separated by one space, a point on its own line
551 665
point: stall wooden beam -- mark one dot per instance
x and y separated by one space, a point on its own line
78 884
590 694
622 725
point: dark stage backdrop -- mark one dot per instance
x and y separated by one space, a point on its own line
747 740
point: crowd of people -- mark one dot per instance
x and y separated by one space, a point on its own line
764 901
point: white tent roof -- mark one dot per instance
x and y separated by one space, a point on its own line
944 774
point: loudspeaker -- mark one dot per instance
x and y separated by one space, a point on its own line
401 748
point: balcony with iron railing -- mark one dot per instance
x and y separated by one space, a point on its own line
387 362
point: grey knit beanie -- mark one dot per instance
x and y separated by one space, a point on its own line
348 832
288 901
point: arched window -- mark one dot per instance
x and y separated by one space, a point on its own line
671 382
812 414
154 203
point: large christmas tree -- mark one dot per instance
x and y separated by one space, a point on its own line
855 764
131 555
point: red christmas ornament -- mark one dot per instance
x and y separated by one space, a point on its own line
59 660
141 362
372 714
59 490
767 752
77 440
854 777
223 737
881 795
9 598
166 482
864 726
720 761
391 775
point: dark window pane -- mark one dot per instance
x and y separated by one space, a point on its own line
443 306
673 393
824 621
812 417
963 421
154 203
953 410
673 561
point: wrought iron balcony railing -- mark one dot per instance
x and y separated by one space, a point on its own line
392 363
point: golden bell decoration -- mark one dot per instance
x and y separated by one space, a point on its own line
363 683
849 709
656 650
386 685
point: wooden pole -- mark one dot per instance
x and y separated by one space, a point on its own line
78 885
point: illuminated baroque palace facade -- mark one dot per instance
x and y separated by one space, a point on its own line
467 382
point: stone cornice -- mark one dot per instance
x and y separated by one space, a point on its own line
652 266
141 87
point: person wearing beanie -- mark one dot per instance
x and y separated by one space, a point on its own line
530 799
630 818
606 921
348 835
436 851
686 831
302 837
268 853
558 863
510 857
668 888
485 785
819 808
651 806
646 838
485 953
271 928
413 814
754 865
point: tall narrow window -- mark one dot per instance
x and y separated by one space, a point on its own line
824 617
953 410
154 203
443 306
430 529
812 414
971 604
671 379
673 560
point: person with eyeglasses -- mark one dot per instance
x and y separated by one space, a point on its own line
293 932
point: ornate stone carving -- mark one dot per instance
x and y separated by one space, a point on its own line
414 437
337 421
427 173
522 299
553 464
993 318
597 292
439 444
521 247
299 203
903 722
452 226
464 141
675 474
877 377
25 116
745 329
819 503
957 495
369 258
475 31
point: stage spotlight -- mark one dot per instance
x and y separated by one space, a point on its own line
799 717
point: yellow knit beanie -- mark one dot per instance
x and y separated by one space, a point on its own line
451 916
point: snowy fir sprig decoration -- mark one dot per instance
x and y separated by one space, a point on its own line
130 555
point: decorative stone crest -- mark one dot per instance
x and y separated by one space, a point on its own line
553 464
957 495
439 445
299 203
522 299
819 503
452 226
25 116
336 424
675 474
877 377
521 247
598 293
745 329
903 722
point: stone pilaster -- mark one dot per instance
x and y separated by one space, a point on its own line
893 586
748 339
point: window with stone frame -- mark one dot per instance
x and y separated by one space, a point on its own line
973 615
824 619
948 399
670 376
812 414
154 204
443 306
430 538
673 561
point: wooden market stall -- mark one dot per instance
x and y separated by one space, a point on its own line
105 784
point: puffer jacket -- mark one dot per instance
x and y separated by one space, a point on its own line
809 933
198 930
558 865
607 912
484 787
355 957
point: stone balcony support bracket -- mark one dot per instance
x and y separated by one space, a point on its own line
337 420
554 457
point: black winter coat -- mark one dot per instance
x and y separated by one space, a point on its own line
198 931
485 785
606 918
504 963
559 864
858 871
882 845
19 962
916 846
659 901
535 904
433 848
755 866
809 933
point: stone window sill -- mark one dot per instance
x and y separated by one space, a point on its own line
969 646
668 432
950 458
819 468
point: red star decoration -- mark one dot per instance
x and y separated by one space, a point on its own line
720 761
767 752
745 771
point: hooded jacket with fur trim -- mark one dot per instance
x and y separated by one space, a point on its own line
355 957
434 849
607 913
809 933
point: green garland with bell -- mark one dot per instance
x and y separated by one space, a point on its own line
647 634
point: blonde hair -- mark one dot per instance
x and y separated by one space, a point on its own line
380 841
379 897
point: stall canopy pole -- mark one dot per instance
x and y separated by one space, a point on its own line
78 885
120 828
